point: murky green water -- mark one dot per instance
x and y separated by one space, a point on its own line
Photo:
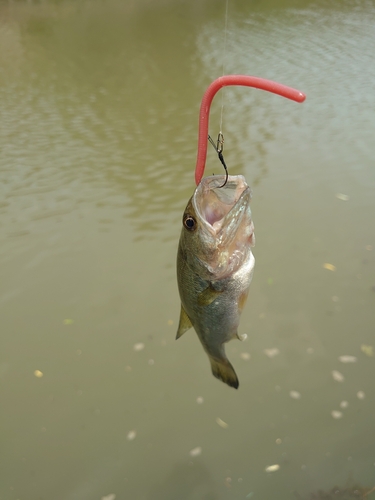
98 123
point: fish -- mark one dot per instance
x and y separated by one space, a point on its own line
215 266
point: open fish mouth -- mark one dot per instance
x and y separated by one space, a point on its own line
218 206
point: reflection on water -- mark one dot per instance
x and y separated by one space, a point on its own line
99 110
98 95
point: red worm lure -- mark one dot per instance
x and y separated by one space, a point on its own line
224 81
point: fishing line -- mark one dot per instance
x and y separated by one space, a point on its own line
219 147
224 58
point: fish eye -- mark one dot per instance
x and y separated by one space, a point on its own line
189 222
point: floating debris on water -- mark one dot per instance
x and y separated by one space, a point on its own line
131 435
369 248
111 496
271 353
339 377
200 400
328 266
368 350
361 395
342 197
195 452
38 373
347 359
139 347
295 395
222 424
344 404
151 362
68 321
170 322
337 414
245 356
272 468
278 441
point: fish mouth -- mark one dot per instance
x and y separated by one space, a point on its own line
218 207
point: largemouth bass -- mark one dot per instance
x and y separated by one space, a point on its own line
215 266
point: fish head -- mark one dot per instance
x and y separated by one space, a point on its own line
218 231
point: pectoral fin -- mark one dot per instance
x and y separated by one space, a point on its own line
241 337
184 323
208 295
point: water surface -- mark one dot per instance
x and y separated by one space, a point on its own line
98 124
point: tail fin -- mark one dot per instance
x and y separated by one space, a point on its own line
224 371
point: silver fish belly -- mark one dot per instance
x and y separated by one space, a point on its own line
215 266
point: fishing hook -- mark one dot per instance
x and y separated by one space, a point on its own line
223 81
219 150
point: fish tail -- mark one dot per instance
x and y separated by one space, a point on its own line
224 371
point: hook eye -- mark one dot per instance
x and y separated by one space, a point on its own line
219 150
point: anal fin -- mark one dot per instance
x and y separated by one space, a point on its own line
184 324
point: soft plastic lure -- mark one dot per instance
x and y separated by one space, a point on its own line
224 81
